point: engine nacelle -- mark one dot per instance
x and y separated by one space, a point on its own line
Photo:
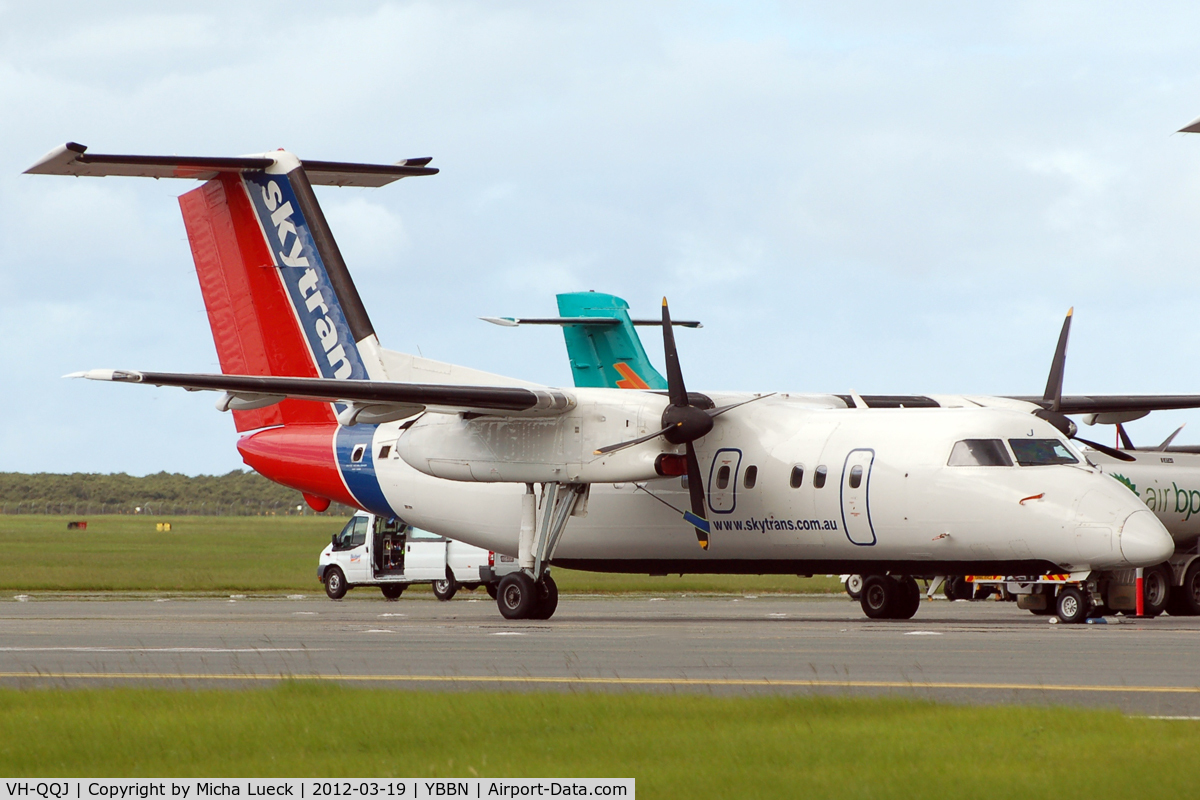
544 449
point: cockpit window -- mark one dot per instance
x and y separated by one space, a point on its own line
979 453
1041 452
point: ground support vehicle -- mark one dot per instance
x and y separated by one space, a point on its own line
382 551
1173 587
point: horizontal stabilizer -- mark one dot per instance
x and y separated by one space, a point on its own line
73 159
513 322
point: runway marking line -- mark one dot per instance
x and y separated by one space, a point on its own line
551 680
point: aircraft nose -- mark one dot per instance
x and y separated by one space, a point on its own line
1144 540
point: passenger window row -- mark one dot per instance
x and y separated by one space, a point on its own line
796 480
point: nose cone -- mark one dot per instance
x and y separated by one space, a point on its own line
1144 540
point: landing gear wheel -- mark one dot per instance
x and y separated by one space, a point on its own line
517 596
445 589
1156 589
958 588
547 599
335 583
854 585
879 596
492 590
392 591
1071 606
908 600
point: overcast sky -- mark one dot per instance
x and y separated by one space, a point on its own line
885 197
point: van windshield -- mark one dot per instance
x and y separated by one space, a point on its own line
1041 452
353 535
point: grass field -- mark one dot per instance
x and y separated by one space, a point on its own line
251 555
675 746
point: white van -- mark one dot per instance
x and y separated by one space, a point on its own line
389 553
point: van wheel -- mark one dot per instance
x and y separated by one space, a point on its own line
335 583
547 599
392 591
492 590
516 596
854 584
1071 606
445 589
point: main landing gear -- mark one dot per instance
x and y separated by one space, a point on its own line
887 597
532 593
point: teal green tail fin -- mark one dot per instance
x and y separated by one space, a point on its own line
606 355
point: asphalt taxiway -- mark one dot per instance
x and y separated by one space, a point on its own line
969 652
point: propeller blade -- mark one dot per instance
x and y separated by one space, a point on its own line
697 515
1108 451
612 448
1126 442
1054 383
1167 442
675 387
716 412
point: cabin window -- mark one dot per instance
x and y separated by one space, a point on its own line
797 479
384 451
856 476
819 477
751 477
1041 452
356 455
723 477
979 453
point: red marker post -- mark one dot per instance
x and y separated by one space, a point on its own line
1141 598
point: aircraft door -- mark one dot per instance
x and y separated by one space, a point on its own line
723 479
856 490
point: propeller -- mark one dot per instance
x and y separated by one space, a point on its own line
1052 397
685 420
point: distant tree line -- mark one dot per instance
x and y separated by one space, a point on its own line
237 493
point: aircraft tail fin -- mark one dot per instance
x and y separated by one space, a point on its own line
602 344
280 300
606 355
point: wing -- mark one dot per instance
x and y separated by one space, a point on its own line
1109 403
365 401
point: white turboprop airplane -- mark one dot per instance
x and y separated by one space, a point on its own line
775 483
604 349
